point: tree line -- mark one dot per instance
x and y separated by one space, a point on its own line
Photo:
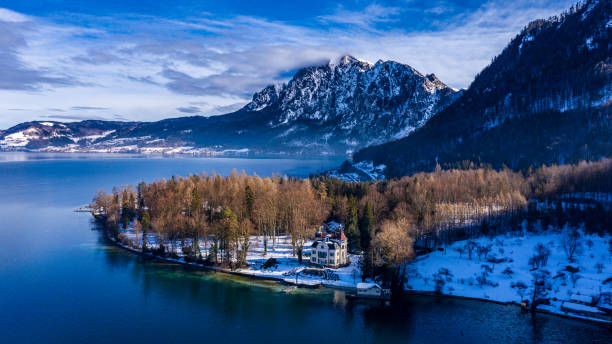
384 220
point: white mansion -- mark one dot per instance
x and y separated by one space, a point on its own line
330 247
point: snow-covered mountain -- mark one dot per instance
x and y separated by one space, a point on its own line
329 109
353 102
52 135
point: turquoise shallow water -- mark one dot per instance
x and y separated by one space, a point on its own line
61 282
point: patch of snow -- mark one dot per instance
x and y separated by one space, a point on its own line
350 142
92 137
586 12
527 38
579 298
511 265
347 177
287 132
581 308
366 171
374 172
589 43
235 151
18 139
404 132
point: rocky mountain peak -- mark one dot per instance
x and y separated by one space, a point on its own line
263 98
361 102
347 59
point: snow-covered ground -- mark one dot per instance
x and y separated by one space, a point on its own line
126 148
465 277
286 269
496 276
361 171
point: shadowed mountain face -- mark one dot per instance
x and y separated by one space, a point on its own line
326 110
351 104
545 99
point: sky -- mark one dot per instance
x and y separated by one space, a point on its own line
142 60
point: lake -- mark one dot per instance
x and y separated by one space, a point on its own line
61 281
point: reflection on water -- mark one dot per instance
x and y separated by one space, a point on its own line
27 156
228 301
60 281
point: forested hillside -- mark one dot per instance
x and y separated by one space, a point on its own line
545 99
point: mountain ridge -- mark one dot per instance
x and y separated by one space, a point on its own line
331 109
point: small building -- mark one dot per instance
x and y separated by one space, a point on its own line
330 248
372 290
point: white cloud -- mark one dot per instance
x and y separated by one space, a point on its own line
7 15
165 65
369 16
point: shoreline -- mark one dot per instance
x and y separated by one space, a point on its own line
193 265
170 155
505 303
196 266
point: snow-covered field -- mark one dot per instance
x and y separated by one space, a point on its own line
465 277
286 269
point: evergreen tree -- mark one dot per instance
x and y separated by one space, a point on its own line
352 227
229 233
366 225
142 187
132 205
125 209
145 223
248 201
532 216
196 203
560 215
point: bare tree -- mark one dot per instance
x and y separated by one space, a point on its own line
540 257
521 289
470 247
570 240
541 285
393 245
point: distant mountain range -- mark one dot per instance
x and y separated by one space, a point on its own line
547 98
332 109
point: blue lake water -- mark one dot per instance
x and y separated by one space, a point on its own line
61 282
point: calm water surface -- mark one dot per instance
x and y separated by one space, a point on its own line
60 282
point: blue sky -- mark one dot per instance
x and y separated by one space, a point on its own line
148 60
